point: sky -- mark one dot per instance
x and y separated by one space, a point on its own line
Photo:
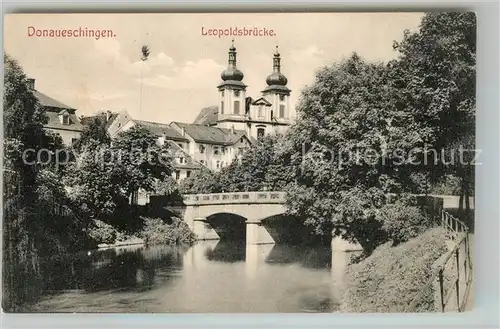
183 70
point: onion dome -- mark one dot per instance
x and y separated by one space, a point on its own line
232 73
276 78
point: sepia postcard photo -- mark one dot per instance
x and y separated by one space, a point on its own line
239 162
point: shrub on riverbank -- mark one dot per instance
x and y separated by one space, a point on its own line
403 220
156 231
102 232
391 277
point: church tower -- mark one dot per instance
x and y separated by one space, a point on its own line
231 92
277 93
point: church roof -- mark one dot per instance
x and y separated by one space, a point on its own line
161 129
211 135
207 115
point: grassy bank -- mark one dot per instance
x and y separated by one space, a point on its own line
390 278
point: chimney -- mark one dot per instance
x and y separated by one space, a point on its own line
232 129
183 132
31 84
108 115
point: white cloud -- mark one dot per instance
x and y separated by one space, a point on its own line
192 75
307 54
160 61
110 49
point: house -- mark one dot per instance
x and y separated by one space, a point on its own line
62 118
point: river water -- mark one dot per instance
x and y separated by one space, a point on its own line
207 277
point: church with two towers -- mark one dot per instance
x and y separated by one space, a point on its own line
269 113
220 133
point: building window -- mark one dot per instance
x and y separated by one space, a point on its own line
221 107
182 160
282 97
177 174
240 151
64 118
261 112
282 111
236 107
188 173
73 140
260 132
217 164
216 150
223 150
202 149
237 93
222 93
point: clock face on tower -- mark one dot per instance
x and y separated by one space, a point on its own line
282 97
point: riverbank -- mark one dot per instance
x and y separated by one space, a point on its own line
391 277
128 242
152 231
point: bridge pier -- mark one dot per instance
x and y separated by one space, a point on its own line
203 229
256 233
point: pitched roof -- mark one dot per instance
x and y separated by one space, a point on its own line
55 123
207 115
161 129
211 135
261 100
101 117
47 101
179 152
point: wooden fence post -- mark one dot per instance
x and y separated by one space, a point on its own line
457 284
441 288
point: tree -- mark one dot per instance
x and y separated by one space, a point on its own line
141 162
435 80
94 189
23 124
201 182
95 130
106 177
263 166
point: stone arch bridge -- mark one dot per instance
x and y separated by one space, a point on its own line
255 217
245 209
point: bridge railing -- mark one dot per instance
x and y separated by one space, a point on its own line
259 197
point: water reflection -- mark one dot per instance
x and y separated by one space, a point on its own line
207 277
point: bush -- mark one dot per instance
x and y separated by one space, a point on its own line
156 231
102 232
403 221
447 185
389 279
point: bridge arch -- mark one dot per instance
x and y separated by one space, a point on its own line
228 226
